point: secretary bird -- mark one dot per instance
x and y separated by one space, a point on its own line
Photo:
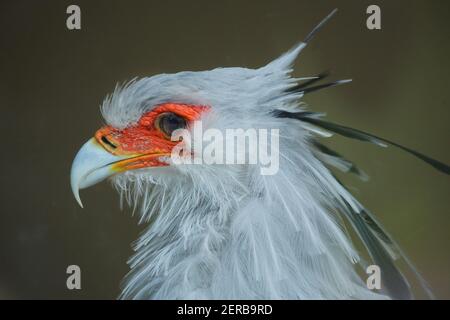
225 231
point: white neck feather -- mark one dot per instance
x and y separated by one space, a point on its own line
228 239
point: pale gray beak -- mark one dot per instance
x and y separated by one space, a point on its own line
91 165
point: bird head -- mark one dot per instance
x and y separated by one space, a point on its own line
143 115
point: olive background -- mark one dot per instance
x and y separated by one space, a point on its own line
52 81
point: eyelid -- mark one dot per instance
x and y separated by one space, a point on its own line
157 119
160 116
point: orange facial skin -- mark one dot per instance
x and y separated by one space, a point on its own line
144 143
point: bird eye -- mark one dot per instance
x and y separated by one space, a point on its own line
169 122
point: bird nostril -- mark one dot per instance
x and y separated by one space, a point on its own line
109 143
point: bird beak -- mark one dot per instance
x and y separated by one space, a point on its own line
91 165
105 155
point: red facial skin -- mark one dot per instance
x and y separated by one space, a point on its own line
143 142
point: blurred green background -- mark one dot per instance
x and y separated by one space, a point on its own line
53 80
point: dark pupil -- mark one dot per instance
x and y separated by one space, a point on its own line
170 122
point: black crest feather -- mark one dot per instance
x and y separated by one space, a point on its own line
380 246
314 118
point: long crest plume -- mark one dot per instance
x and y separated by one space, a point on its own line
382 249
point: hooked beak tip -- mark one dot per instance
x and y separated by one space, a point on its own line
76 192
77 197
